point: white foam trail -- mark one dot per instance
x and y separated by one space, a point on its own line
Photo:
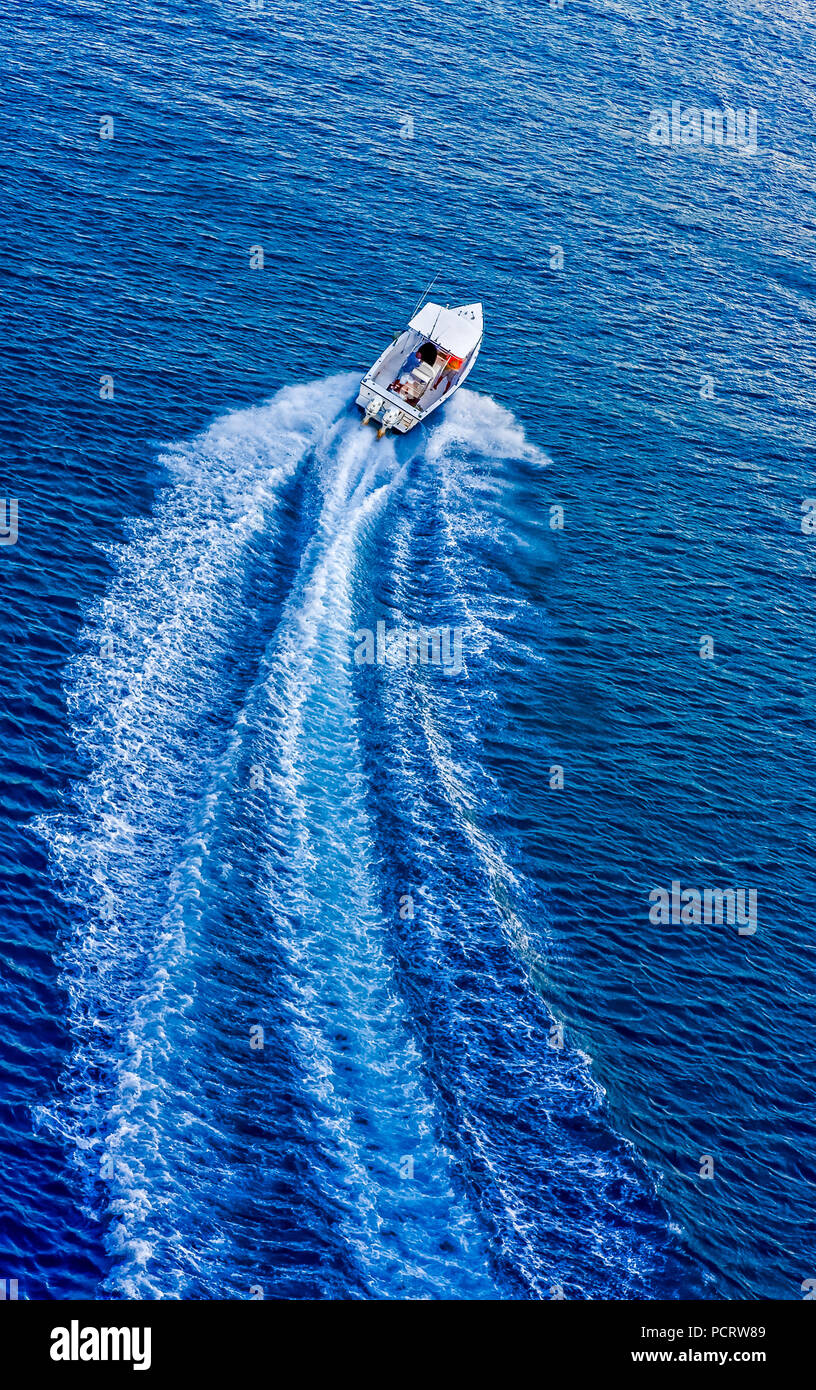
152 699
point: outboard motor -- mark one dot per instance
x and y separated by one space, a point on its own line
390 418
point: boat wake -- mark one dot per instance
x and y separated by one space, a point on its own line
309 1057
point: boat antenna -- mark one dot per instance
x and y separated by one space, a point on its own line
424 295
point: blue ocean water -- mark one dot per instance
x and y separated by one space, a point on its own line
215 821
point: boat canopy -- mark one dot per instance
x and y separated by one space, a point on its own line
455 331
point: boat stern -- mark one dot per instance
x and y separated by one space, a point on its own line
385 409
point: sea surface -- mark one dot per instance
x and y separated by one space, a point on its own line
326 978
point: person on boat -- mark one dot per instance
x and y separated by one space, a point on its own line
404 376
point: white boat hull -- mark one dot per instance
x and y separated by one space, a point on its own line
387 407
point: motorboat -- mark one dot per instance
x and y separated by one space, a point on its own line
422 367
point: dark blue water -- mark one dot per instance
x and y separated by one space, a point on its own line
287 939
